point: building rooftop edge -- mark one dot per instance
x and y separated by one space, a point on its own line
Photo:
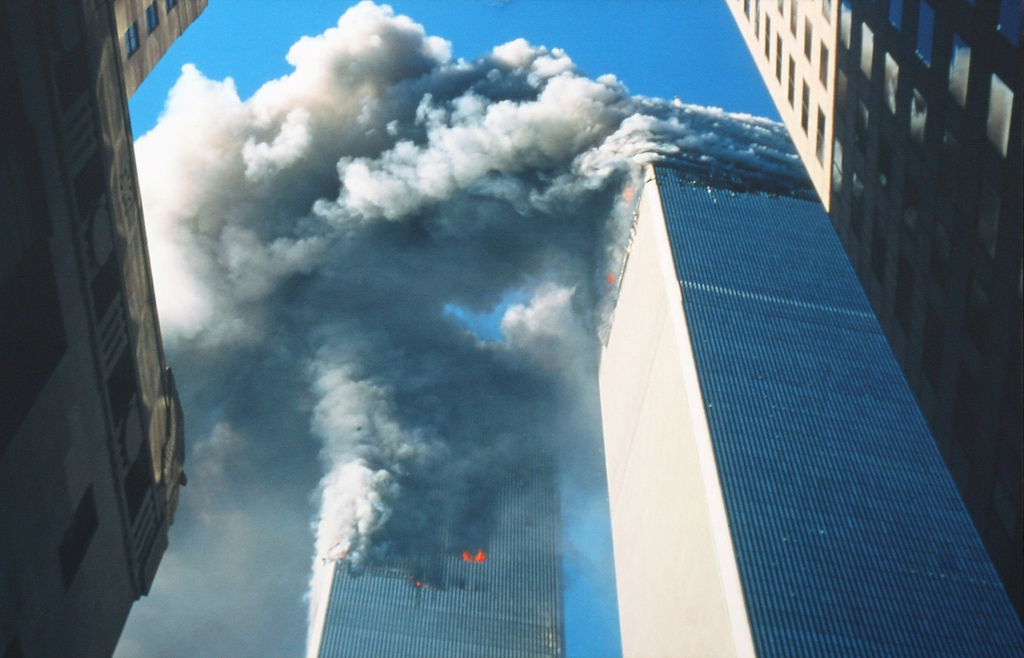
777 180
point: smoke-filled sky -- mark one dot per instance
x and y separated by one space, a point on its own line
381 280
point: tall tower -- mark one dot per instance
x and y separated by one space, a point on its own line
91 432
498 595
774 488
907 115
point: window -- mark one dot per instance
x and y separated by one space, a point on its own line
925 26
892 77
792 17
90 185
778 58
1004 502
878 254
896 13
826 9
767 37
988 218
792 81
823 65
72 73
821 136
959 70
805 107
940 255
837 166
78 536
131 39
949 166
884 163
746 7
808 37
757 18
867 49
977 315
904 293
121 386
931 355
170 4
106 284
911 201
841 84
860 127
918 116
845 23
138 481
152 17
1000 107
965 415
856 203
1009 20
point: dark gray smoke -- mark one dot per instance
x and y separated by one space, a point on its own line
309 245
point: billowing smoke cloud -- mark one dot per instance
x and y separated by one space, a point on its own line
309 243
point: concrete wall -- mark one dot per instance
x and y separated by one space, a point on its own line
678 586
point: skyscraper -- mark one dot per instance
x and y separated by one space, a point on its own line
500 596
91 433
907 115
774 488
147 28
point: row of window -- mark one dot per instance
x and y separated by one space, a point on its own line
131 35
987 211
808 40
1009 23
753 12
1000 106
826 11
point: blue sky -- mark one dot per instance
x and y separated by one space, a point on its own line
688 49
664 48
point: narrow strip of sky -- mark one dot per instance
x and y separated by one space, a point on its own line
665 48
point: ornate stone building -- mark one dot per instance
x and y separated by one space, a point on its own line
91 434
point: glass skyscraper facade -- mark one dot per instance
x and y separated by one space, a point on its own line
502 599
850 535
845 528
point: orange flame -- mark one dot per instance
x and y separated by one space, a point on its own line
611 278
479 556
628 193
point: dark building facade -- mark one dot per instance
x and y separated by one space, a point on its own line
500 599
924 113
744 354
91 433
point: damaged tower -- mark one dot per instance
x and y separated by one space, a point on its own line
91 434
775 490
500 599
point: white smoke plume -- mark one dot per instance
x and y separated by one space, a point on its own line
307 241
